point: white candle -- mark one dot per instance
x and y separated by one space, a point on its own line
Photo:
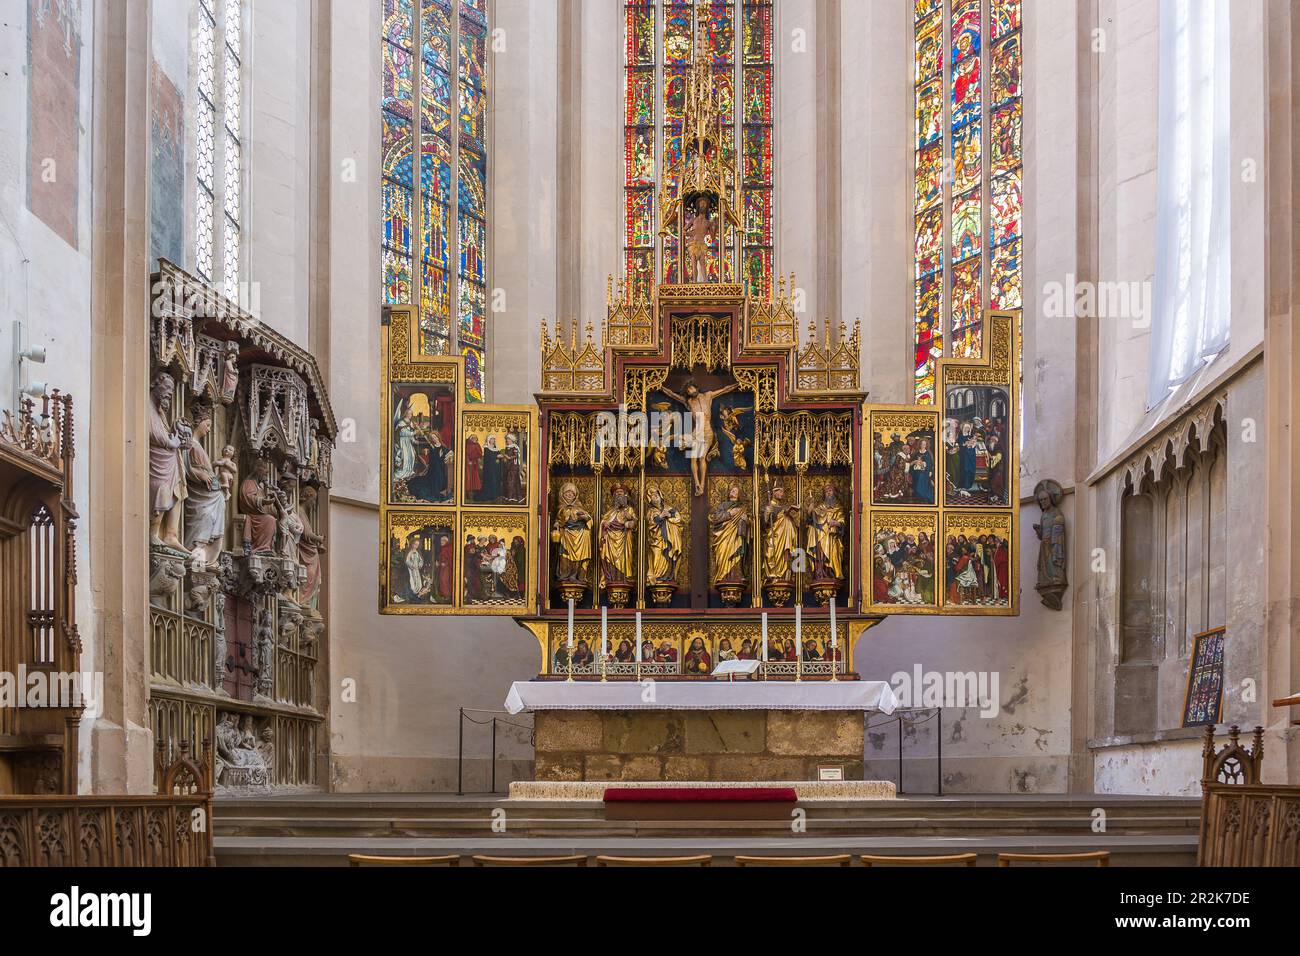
604 631
835 634
570 645
764 656
798 629
638 637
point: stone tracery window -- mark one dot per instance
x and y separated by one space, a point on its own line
429 257
660 49
968 176
218 43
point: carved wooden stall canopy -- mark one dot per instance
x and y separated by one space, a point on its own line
38 575
241 439
1245 822
458 480
173 828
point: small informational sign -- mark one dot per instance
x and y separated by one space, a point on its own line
829 772
1203 703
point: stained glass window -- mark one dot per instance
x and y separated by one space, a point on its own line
660 40
445 269
218 164
968 204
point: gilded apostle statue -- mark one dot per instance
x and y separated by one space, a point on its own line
618 548
664 527
572 533
826 524
729 531
780 538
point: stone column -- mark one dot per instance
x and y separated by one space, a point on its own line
1281 499
120 741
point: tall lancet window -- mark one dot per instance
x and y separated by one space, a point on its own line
1192 299
660 48
968 176
429 257
218 42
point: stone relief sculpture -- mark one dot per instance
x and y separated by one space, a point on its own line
1052 556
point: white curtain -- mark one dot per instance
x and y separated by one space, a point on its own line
1191 299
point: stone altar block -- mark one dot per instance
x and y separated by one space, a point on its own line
691 745
702 731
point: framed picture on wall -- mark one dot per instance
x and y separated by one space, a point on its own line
1203 703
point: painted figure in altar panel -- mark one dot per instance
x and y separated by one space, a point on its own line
494 561
701 440
825 542
571 533
617 538
424 429
729 530
903 462
976 442
583 656
697 660
749 649
496 458
422 563
780 537
782 649
977 559
664 530
903 564
167 485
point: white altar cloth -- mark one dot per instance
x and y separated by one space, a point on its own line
702 695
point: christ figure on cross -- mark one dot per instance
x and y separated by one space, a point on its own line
700 405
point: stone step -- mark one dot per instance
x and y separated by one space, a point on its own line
417 826
1141 850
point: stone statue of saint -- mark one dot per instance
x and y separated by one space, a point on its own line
1052 557
664 527
572 532
167 485
618 541
205 506
826 524
700 405
729 530
259 503
781 536
701 235
310 547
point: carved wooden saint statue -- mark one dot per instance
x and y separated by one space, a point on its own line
701 236
572 532
664 528
617 541
1052 557
780 538
700 405
826 525
729 531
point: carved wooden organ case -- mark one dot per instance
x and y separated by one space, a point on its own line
241 437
